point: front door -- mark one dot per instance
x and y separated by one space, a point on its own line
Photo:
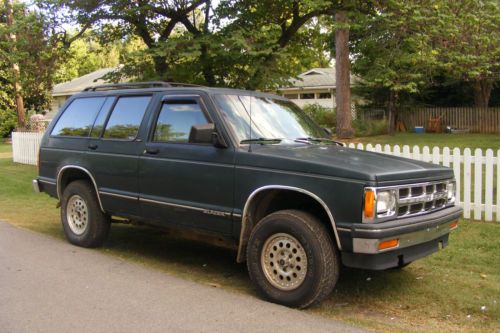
181 182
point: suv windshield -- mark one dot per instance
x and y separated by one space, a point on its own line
273 120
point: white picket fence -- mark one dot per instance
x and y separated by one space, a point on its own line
25 147
477 176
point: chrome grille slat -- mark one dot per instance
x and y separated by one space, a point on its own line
415 199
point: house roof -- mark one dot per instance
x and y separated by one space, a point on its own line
315 78
77 85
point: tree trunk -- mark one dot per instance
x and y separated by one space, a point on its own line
393 112
161 68
208 72
15 68
482 92
342 77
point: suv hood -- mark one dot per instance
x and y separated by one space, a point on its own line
346 162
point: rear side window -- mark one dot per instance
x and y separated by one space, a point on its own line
126 117
176 119
78 117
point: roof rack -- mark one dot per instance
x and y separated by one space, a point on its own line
134 85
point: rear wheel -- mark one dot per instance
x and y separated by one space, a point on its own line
291 259
83 221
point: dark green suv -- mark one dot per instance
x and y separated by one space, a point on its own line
249 167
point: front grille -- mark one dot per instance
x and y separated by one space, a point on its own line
417 199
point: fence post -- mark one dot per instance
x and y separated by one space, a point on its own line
488 190
467 176
435 155
426 156
498 186
416 153
458 175
478 182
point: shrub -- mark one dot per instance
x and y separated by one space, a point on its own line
369 127
8 121
325 117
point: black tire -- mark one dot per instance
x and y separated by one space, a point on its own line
87 227
323 264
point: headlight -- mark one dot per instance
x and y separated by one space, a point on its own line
378 204
386 203
451 189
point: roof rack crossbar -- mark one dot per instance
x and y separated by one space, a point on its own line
133 85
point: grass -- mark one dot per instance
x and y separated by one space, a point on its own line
441 293
483 141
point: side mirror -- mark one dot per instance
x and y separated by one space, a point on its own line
206 134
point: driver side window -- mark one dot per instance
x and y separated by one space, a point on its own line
176 118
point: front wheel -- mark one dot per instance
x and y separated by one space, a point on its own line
292 259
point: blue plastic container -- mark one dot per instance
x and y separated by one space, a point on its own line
419 129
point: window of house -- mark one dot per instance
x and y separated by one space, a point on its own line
78 117
325 95
126 117
291 96
307 96
176 118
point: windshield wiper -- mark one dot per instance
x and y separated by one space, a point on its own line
262 141
318 140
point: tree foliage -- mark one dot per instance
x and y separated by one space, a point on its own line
35 51
406 45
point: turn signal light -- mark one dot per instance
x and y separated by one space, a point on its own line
369 207
388 244
453 225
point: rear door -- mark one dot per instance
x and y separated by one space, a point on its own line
113 152
182 182
69 136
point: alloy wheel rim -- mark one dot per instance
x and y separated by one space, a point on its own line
77 214
284 261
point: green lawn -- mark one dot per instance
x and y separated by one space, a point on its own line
441 293
483 141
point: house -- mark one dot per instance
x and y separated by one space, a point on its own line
316 86
65 90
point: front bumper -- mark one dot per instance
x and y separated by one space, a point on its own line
416 237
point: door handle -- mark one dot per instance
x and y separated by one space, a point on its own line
92 146
151 151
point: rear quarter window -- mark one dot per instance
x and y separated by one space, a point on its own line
78 117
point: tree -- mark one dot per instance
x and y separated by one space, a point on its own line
35 50
152 21
393 54
86 55
465 38
407 47
243 43
272 30
12 38
342 76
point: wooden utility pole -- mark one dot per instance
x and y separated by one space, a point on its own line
342 77
15 66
